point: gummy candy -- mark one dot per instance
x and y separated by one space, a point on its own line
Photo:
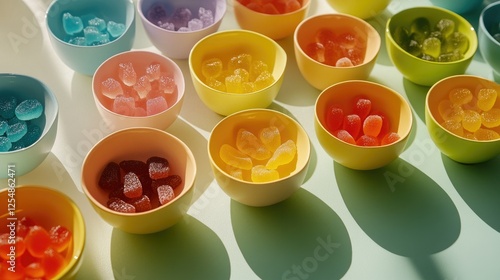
471 121
124 105
119 205
456 42
135 166
115 29
29 109
344 62
460 96
195 24
242 60
5 144
37 241
32 135
99 23
366 140
344 136
261 174
132 186
270 137
5 246
60 238
249 144
454 127
334 118
153 72
206 16
284 154
362 107
211 68
449 111
127 74
72 24
389 138
3 127
233 157
166 83
234 84
264 80
141 204
352 124
157 14
52 263
158 167
16 131
486 98
420 25
7 106
432 47
91 35
165 194
111 88
485 134
316 51
491 118
110 177
372 125
142 86
446 26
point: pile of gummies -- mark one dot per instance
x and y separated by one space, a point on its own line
272 7
40 252
360 125
17 129
241 74
441 42
137 94
137 186
337 49
471 113
182 19
257 158
90 30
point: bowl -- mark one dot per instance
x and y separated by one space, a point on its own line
178 44
86 59
140 61
384 101
228 44
321 75
140 143
459 7
275 26
243 189
363 9
48 207
28 158
488 45
420 71
459 148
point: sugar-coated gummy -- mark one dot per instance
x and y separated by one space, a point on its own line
29 109
251 145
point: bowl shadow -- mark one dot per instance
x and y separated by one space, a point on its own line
188 250
299 237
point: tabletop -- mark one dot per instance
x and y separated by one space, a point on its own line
423 216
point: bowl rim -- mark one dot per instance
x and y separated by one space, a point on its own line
388 89
342 15
119 38
78 219
277 46
481 22
304 6
145 20
473 41
176 68
187 187
300 129
48 123
430 112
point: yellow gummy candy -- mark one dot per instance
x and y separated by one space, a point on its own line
244 74
460 96
448 111
211 68
249 144
264 80
242 60
453 127
216 84
471 121
491 118
486 134
256 68
248 87
284 154
270 137
234 84
486 98
235 158
261 174
235 172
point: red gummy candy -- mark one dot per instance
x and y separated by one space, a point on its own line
352 124
119 205
366 140
345 136
110 177
23 226
165 194
37 241
52 263
132 186
362 107
172 180
158 167
386 124
372 125
60 237
34 270
138 167
389 138
334 118
141 204
5 246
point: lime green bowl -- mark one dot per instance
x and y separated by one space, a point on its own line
421 71
457 148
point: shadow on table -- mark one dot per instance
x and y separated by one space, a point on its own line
402 210
299 238
188 250
478 186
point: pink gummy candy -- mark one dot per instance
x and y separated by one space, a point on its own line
158 167
124 105
156 105
142 86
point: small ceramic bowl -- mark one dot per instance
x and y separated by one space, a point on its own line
243 189
178 44
228 44
48 207
459 148
321 75
459 7
275 26
28 158
140 61
420 71
488 45
383 99
86 59
140 144
363 9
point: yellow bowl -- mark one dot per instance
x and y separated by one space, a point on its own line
363 9
321 75
140 60
460 149
254 193
421 71
224 45
383 99
275 26
47 207
140 144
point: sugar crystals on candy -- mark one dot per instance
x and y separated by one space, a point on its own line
16 131
115 29
156 105
111 88
72 24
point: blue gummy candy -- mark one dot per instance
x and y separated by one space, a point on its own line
7 106
97 22
3 127
5 144
115 29
33 134
91 34
71 24
17 131
79 41
29 109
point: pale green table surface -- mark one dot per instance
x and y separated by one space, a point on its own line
422 217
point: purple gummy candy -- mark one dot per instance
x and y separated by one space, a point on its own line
180 18
157 14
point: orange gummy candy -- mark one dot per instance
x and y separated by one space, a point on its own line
362 107
366 140
345 136
389 138
52 262
352 124
60 237
372 125
37 241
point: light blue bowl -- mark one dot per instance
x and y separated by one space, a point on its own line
458 6
24 160
86 59
488 46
